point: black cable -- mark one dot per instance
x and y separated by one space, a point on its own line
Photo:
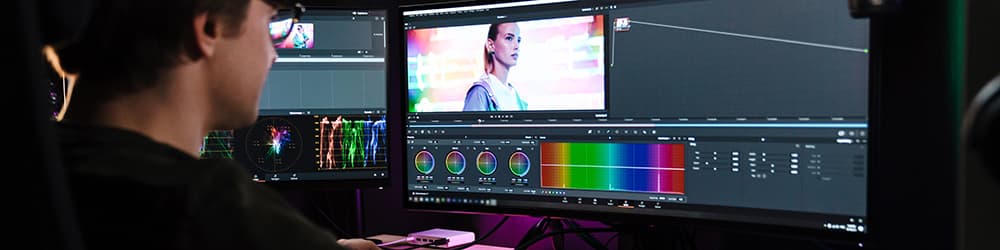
821 245
467 245
608 242
538 229
680 243
587 238
340 231
692 243
639 241
558 241
582 230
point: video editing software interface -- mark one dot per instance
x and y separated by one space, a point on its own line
323 108
731 110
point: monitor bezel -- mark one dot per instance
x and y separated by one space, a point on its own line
867 238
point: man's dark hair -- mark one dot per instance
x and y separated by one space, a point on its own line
128 44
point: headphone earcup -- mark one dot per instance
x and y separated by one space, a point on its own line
991 136
982 135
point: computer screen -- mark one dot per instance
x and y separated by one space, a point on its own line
752 112
323 107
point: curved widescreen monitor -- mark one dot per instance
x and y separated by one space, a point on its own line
322 113
731 111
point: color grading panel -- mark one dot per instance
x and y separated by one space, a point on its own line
484 163
645 167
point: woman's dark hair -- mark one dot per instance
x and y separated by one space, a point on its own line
487 57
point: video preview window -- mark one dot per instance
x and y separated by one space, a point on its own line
536 65
302 37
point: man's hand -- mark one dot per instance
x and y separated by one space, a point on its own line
357 244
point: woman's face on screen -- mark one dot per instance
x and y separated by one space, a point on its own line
506 44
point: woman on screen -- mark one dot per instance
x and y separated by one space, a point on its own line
492 92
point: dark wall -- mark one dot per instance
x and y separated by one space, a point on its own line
978 191
983 61
914 169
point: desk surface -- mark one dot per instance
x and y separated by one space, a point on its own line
390 238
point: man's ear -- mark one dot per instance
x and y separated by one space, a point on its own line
206 34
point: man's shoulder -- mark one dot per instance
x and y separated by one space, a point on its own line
157 204
108 153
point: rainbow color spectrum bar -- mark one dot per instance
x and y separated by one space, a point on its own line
653 168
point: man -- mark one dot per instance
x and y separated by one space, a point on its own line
153 77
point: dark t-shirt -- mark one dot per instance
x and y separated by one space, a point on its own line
131 192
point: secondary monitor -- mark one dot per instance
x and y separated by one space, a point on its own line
323 107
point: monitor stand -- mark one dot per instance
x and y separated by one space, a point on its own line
557 225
